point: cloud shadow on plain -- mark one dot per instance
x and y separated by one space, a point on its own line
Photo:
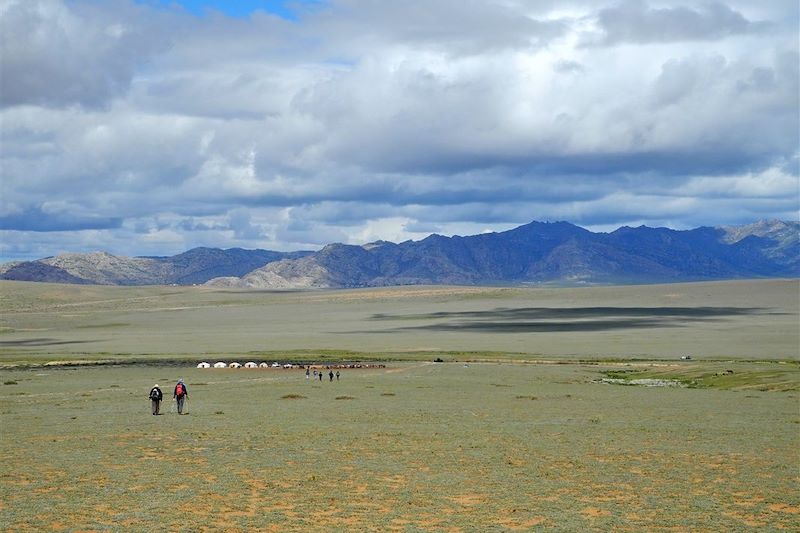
41 341
568 319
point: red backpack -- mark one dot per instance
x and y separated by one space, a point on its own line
179 390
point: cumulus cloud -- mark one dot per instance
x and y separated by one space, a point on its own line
57 54
150 130
635 21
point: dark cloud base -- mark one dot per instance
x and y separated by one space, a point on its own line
36 220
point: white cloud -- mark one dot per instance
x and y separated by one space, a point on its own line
771 183
57 54
367 120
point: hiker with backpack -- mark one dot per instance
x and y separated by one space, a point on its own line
180 395
155 399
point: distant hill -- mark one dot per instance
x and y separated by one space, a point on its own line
195 266
37 271
538 252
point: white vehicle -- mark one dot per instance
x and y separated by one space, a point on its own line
276 365
203 365
234 365
220 364
250 364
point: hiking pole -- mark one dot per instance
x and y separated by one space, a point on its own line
186 405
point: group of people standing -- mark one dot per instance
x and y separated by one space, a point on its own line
179 394
319 374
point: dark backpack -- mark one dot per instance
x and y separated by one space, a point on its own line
155 394
179 390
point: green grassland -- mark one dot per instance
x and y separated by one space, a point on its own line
729 375
525 437
410 447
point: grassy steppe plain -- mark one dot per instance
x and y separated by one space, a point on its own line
741 319
413 447
507 445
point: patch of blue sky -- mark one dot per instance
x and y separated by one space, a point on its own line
286 9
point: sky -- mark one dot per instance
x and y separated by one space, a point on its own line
154 126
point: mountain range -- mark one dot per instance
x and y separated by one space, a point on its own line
539 252
196 266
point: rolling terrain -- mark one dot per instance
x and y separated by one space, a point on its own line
745 319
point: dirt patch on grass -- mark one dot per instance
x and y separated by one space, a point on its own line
784 508
469 499
293 397
520 524
749 520
595 512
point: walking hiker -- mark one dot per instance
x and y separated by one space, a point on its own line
155 399
337 375
307 372
320 375
180 395
330 375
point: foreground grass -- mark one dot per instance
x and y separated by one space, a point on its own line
415 446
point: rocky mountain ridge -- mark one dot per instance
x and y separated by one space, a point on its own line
539 252
195 266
